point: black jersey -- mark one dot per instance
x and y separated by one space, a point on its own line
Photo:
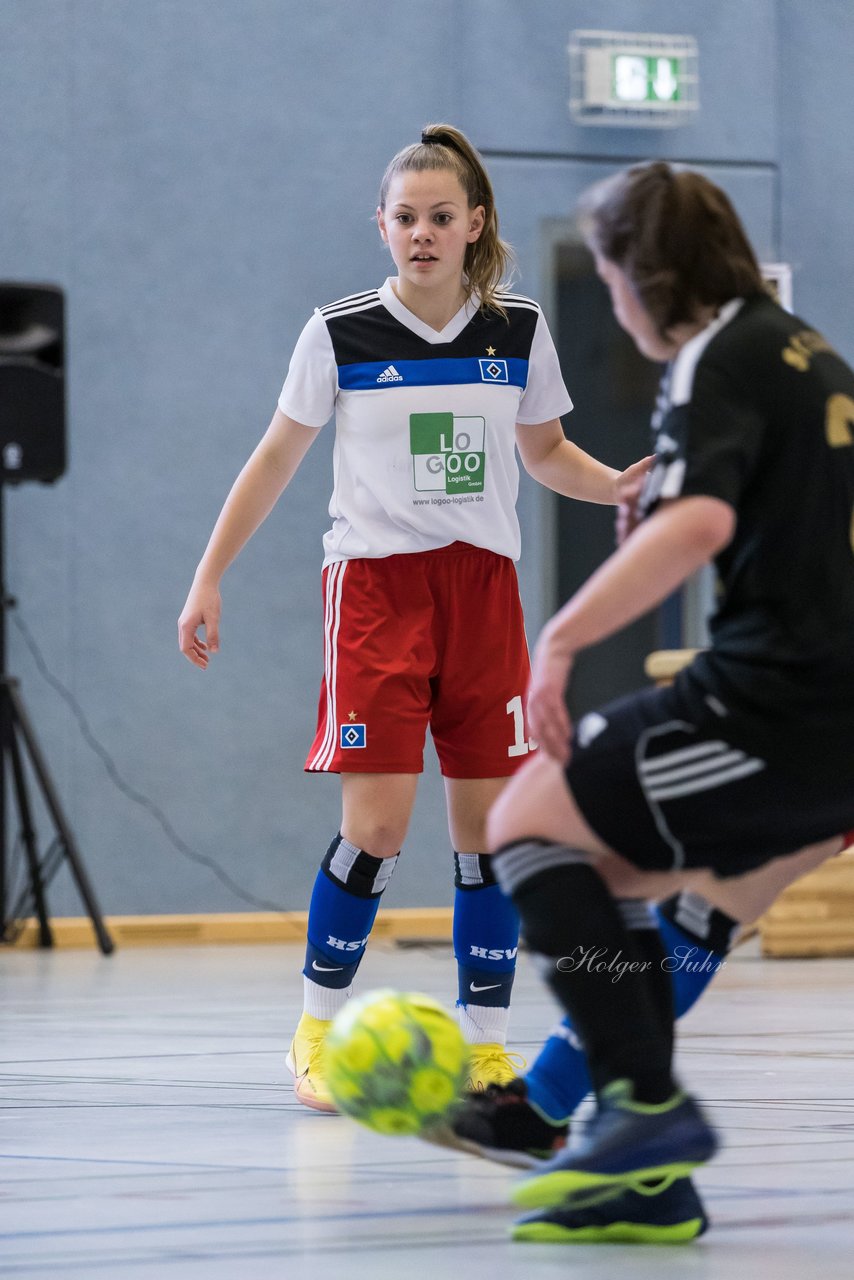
758 410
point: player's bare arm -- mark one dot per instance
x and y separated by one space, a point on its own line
682 535
560 465
630 486
253 495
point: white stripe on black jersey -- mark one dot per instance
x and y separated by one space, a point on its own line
355 302
516 300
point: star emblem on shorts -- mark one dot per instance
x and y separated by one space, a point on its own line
351 715
490 351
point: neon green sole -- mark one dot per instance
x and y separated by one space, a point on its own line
552 1189
613 1233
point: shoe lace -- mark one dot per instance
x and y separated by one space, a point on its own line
485 1058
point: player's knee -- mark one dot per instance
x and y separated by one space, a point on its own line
379 838
497 822
534 802
508 820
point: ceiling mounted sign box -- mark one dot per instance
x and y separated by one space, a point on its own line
633 78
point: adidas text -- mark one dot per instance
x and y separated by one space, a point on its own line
390 375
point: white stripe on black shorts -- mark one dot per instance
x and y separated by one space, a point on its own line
659 780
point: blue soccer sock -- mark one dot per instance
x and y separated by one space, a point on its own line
696 938
486 941
341 914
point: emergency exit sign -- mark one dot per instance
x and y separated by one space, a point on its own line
640 79
633 78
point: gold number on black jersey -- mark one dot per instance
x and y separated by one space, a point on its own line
839 430
839 421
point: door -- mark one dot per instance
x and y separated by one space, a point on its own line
613 389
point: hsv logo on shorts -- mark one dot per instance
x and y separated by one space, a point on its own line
354 736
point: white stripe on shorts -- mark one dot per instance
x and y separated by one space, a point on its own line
331 624
671 759
701 767
692 769
707 782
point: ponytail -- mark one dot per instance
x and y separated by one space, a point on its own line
489 259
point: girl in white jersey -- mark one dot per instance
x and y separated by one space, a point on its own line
435 379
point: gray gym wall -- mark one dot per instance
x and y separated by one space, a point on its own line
198 176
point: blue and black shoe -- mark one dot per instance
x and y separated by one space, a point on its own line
645 1214
627 1144
500 1123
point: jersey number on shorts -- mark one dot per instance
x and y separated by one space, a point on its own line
521 746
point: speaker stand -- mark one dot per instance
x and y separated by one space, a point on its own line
17 743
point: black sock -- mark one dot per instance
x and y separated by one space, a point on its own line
639 919
592 965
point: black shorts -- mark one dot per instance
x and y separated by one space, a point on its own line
659 780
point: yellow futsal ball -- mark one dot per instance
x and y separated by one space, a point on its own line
395 1061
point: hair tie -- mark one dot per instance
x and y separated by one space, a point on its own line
439 140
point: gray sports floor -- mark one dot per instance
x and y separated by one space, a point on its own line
148 1130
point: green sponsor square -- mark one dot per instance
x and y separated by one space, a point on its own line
431 432
460 478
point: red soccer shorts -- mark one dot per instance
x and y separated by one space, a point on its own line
433 638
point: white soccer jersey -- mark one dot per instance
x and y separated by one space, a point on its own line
425 422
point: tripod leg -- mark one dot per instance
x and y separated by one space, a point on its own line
19 719
28 836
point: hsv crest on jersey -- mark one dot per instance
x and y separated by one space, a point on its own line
354 736
494 370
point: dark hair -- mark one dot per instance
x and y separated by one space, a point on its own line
675 235
489 259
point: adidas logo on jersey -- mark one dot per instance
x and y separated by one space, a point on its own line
390 375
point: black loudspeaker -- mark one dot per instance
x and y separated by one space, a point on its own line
32 383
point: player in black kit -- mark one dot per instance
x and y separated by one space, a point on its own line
748 757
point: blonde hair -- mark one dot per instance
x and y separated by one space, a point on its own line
489 260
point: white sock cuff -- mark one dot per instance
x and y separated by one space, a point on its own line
324 1002
484 1024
